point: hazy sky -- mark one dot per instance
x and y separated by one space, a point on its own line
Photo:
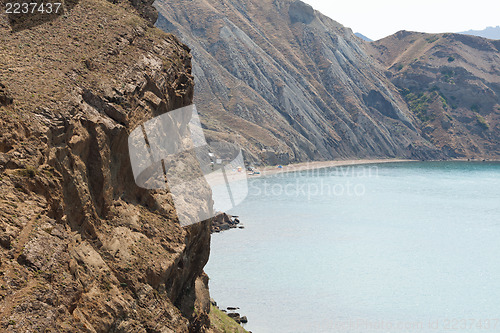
379 18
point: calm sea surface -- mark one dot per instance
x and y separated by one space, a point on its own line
401 247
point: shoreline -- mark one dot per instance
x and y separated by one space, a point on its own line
307 166
316 165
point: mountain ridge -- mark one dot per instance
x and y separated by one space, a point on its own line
300 79
452 83
489 32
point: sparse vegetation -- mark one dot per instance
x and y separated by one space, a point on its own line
432 39
451 59
482 122
419 103
29 172
222 323
443 100
448 75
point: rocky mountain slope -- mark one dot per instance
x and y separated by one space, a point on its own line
452 85
293 84
83 249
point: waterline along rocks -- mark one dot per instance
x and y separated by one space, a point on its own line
223 221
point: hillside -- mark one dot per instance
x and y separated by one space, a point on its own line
293 84
82 248
452 85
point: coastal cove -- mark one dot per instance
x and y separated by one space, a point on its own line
413 247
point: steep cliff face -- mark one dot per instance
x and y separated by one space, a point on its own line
83 249
292 83
452 85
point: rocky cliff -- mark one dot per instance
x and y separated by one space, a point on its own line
83 249
451 83
293 84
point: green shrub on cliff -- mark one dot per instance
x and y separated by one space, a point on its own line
482 122
29 172
419 104
222 323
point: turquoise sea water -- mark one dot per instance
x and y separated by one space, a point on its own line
401 247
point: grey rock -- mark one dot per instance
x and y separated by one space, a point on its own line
292 86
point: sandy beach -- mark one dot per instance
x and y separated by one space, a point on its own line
273 170
234 175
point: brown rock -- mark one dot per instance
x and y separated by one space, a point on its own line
79 262
5 97
235 317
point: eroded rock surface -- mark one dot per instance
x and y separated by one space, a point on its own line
83 249
292 83
296 85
